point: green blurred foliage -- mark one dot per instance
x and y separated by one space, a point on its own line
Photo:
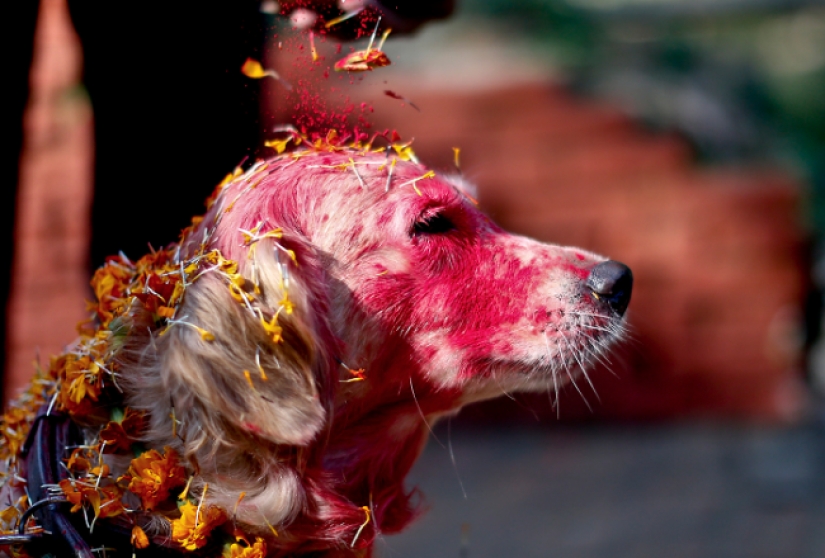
744 81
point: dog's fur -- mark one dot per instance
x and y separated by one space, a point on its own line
395 274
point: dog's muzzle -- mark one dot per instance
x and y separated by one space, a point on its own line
611 282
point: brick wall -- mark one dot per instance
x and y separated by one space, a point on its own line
50 280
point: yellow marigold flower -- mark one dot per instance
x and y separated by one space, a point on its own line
249 379
272 329
205 335
177 294
104 282
236 289
254 69
230 267
213 256
404 151
165 312
279 145
152 475
242 549
286 304
8 517
193 527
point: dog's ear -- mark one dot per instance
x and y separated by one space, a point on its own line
249 354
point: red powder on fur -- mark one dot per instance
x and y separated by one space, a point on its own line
254 428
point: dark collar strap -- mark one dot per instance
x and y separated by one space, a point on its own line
42 456
64 533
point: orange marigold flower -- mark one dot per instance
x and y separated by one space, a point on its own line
195 524
365 60
152 475
111 504
14 426
119 434
73 493
78 462
139 538
362 61
104 500
242 549
110 283
80 385
16 422
115 438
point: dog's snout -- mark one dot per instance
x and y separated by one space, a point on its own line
612 283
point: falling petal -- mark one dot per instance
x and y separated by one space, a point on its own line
342 18
253 69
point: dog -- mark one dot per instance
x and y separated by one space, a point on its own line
263 386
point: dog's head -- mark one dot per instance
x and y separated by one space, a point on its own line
342 301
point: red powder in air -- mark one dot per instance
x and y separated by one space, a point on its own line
316 104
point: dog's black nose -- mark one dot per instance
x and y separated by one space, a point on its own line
612 283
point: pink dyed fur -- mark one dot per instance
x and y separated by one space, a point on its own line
404 278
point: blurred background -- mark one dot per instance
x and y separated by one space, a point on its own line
685 138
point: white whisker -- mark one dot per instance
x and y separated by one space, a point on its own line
421 412
452 455
576 387
553 374
577 357
572 378
597 328
590 315
504 392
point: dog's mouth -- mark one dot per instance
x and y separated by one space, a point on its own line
572 342
584 332
580 342
582 336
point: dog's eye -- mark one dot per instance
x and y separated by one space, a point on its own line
437 223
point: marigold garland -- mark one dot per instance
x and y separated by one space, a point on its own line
82 382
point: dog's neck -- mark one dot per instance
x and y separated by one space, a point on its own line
376 436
